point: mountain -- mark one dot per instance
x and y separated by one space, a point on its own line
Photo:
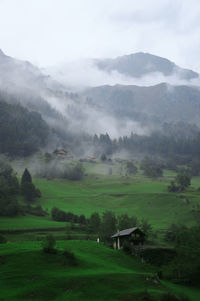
22 82
118 110
17 75
140 64
160 103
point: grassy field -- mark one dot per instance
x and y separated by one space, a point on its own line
136 196
26 273
97 192
101 274
28 222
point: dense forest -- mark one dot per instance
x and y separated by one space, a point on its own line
180 142
21 132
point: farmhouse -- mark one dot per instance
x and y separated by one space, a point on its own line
60 152
132 235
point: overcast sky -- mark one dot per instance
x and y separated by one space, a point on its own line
48 32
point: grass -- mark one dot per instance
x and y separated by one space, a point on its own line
138 196
101 274
28 222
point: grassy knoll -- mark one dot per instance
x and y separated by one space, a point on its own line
101 274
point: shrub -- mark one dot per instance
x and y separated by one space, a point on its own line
75 173
158 256
181 182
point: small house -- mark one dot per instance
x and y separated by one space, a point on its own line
132 235
60 152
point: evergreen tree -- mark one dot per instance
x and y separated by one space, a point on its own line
26 177
28 189
108 225
94 223
125 222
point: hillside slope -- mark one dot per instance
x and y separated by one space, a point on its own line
100 274
160 103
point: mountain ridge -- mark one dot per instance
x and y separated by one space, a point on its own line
140 63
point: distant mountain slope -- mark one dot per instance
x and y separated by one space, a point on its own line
140 64
160 103
15 74
21 82
118 110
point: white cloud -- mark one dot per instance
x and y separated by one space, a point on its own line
80 74
49 31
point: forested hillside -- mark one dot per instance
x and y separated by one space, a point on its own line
152 105
21 132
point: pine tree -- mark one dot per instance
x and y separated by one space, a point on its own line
28 189
26 177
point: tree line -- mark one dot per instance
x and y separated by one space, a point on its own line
105 226
174 141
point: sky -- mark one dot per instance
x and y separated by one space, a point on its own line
49 32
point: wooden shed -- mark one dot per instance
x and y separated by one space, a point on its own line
132 235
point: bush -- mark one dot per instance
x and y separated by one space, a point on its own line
181 182
75 173
158 256
151 168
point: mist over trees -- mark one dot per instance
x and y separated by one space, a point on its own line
21 132
178 142
40 112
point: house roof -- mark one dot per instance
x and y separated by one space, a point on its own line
125 232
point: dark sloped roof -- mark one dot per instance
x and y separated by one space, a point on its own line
125 232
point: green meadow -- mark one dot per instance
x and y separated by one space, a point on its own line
100 274
137 196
